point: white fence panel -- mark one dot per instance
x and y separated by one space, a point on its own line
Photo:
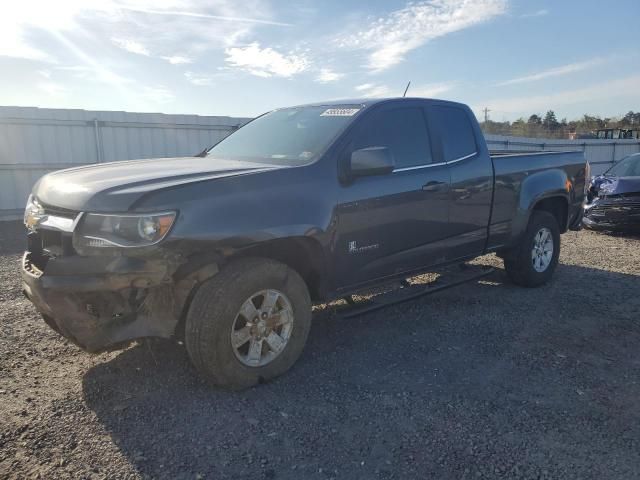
601 154
34 141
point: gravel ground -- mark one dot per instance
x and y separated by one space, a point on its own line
486 380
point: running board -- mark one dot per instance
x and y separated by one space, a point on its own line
410 291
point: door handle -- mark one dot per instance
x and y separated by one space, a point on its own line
434 186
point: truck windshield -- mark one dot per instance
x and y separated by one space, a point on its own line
290 136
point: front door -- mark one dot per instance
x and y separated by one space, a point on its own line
392 223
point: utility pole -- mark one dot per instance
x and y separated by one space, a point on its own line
486 114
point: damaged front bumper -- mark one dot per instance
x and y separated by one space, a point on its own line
616 213
102 302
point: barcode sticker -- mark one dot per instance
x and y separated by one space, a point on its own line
339 112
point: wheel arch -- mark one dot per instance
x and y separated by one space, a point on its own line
305 255
547 190
558 206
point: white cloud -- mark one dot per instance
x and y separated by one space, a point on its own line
96 73
372 90
326 75
539 13
554 72
177 59
428 90
364 86
158 94
389 39
532 103
21 20
206 16
143 27
52 89
12 45
131 46
266 62
199 79
194 25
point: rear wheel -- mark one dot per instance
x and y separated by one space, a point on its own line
249 323
533 262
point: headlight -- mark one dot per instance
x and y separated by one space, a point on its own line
587 177
33 213
140 230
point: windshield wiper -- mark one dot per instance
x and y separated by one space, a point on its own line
204 152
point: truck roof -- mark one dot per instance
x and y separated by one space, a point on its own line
368 102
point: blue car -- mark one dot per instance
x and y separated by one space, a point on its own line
613 199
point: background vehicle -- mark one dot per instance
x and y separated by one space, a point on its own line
618 133
613 199
301 205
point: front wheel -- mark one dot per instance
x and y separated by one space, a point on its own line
249 323
533 262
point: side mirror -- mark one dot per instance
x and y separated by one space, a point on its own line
372 161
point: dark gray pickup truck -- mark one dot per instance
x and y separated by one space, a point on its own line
302 205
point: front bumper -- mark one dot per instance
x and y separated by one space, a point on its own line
615 213
576 223
101 302
612 225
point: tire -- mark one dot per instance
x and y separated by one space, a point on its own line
521 266
216 309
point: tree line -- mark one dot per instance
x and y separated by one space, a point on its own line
548 126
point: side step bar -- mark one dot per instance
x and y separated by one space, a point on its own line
410 291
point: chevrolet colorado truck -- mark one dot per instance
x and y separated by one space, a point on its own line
302 205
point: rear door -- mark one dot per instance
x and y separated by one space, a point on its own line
471 170
392 223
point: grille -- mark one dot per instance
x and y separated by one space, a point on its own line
58 212
617 206
51 243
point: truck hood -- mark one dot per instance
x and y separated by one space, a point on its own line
604 186
115 186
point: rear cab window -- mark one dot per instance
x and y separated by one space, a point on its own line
452 133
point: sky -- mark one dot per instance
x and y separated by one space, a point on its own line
245 57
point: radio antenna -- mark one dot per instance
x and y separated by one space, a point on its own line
405 90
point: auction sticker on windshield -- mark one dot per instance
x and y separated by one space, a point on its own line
339 112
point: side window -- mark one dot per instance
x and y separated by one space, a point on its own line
402 130
452 128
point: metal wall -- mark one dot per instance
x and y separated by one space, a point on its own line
601 154
34 141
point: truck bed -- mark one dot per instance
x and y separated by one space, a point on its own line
504 153
515 171
507 161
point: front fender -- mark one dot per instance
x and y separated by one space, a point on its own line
237 212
